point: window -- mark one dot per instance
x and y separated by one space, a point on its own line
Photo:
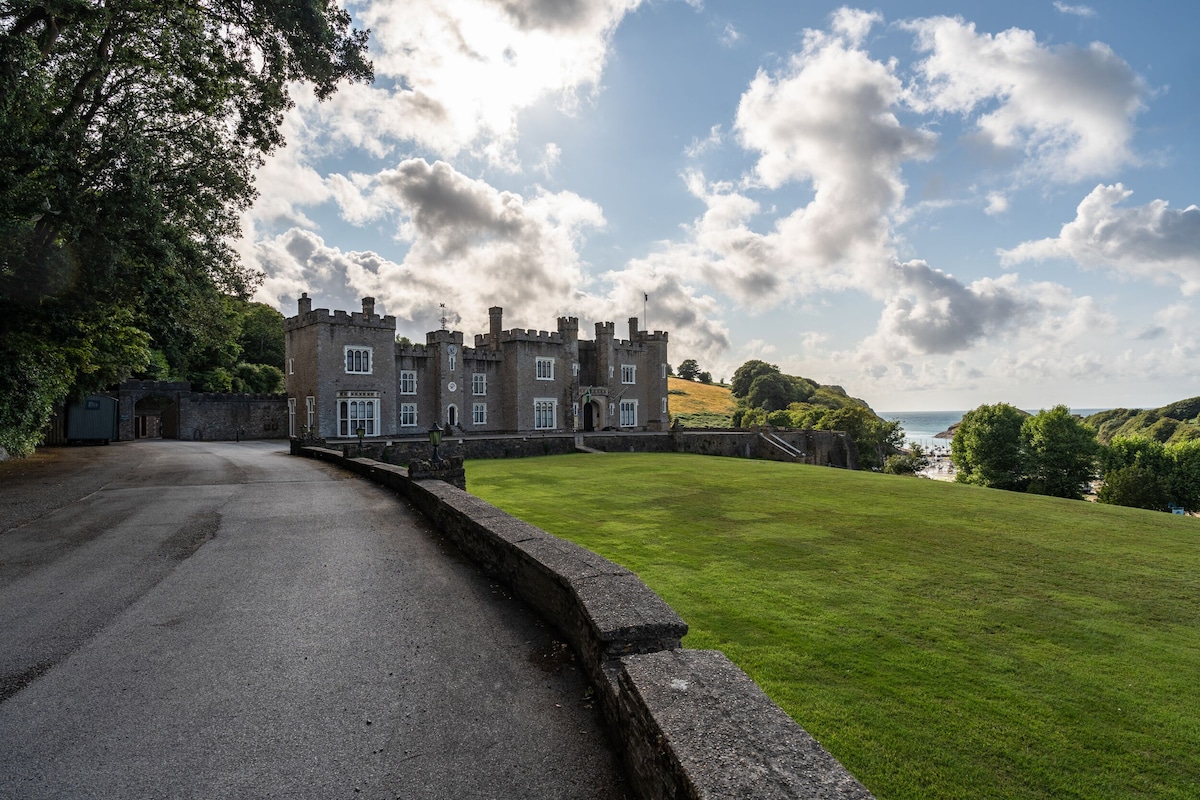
355 414
664 368
291 366
544 414
408 382
664 405
545 369
453 361
452 416
628 413
628 373
408 415
575 369
291 416
574 409
610 371
479 414
612 409
479 384
310 406
358 360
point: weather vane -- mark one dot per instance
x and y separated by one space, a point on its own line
443 307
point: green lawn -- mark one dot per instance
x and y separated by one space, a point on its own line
943 641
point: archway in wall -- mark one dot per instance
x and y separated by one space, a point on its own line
591 415
156 416
452 416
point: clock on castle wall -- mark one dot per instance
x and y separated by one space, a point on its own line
452 386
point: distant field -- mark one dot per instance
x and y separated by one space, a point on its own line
942 640
699 405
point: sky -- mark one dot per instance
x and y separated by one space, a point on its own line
932 204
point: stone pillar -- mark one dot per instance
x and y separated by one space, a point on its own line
449 469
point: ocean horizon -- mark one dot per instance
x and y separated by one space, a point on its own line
921 427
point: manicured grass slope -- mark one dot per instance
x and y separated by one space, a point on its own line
943 641
699 398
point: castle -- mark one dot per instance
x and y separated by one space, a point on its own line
346 372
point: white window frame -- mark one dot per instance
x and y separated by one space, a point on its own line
355 411
291 416
310 408
408 415
543 406
610 371
575 369
409 377
453 361
358 359
479 384
629 413
544 368
664 370
452 416
629 373
479 414
612 410
664 405
291 366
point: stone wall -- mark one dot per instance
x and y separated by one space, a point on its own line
689 723
226 417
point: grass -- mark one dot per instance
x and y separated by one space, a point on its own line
941 640
690 397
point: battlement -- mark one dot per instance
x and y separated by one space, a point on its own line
367 318
522 335
323 316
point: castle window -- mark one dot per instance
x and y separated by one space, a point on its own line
664 369
408 415
453 361
479 414
545 369
664 405
291 366
478 383
408 382
310 408
355 414
358 360
575 369
629 413
610 371
544 413
291 416
628 373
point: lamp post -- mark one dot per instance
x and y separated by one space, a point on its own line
435 439
361 432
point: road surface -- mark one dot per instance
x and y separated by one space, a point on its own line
209 620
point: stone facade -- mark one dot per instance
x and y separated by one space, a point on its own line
346 371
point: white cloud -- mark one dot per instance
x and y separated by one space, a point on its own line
1078 11
1152 241
1069 109
730 35
997 203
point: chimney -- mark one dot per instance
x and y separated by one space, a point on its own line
368 307
304 304
496 316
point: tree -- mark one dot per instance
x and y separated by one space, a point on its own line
1183 486
1059 452
705 377
744 375
688 369
986 448
771 391
1136 487
261 338
129 133
909 463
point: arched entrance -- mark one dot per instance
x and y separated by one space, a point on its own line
591 415
155 417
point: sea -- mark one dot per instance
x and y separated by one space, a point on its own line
920 427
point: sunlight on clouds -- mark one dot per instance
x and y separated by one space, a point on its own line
454 74
1152 241
1070 109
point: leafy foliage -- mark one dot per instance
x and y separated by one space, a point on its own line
1144 473
1059 452
986 448
689 370
130 132
1175 422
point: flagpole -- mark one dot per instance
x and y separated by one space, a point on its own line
645 321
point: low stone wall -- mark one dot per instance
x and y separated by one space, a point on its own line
690 723
824 448
215 417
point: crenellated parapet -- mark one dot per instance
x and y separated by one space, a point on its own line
522 335
367 318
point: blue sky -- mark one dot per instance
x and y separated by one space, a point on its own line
932 204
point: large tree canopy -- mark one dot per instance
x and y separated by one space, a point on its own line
129 133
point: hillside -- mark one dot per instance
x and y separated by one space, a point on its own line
700 405
1175 422
943 641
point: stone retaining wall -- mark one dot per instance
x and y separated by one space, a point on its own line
689 723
